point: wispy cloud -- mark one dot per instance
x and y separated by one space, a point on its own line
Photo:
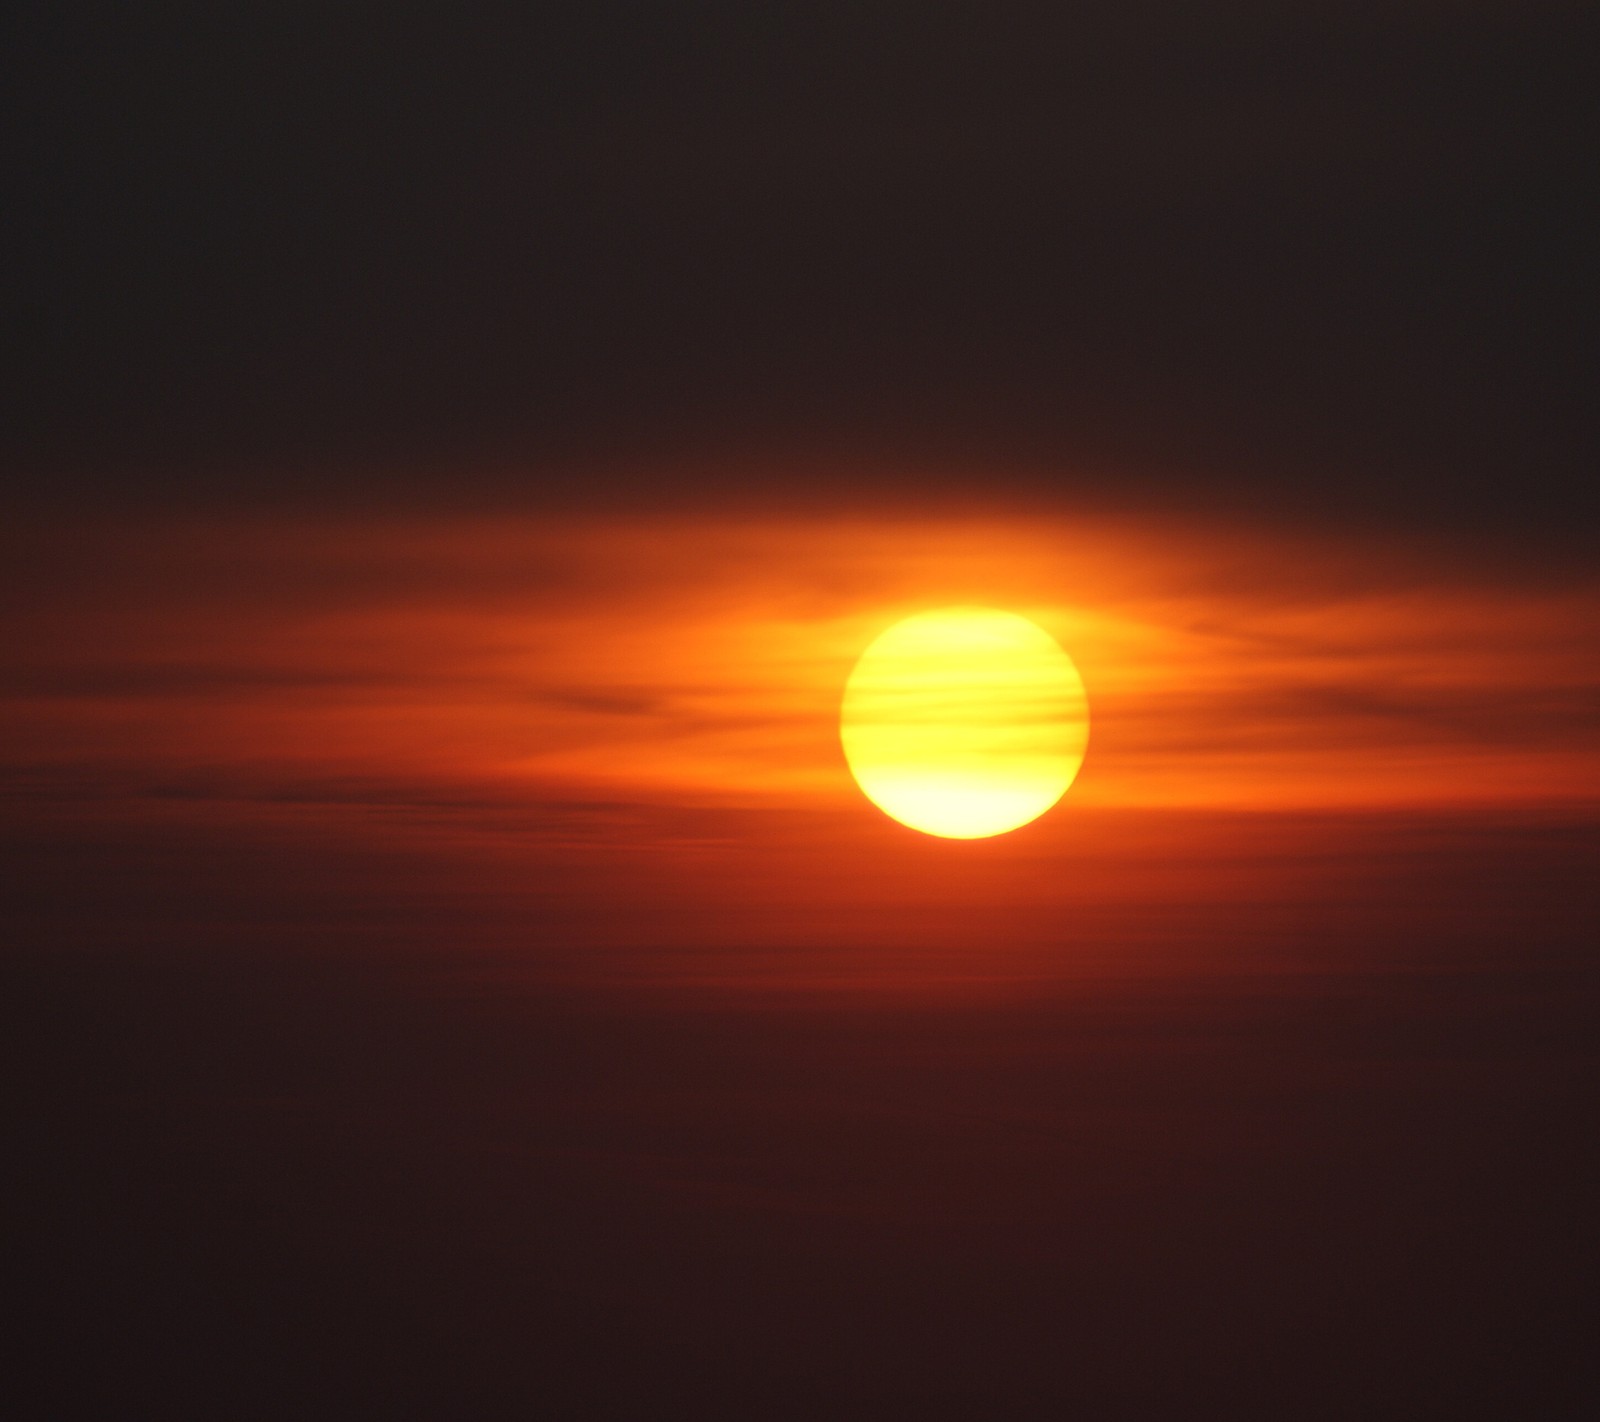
478 665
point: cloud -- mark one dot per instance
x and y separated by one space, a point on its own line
447 670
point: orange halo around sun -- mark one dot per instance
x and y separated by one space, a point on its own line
964 722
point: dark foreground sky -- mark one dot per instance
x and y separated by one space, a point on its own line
453 456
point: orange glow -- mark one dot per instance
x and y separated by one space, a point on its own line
964 723
632 728
279 668
702 663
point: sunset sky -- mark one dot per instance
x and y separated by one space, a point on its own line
458 454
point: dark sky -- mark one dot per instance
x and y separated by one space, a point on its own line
1314 259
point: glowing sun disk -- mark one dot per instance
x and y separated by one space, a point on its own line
965 722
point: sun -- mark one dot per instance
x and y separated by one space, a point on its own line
965 722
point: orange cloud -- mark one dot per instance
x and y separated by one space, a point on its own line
624 732
701 663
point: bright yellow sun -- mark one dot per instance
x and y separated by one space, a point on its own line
964 722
